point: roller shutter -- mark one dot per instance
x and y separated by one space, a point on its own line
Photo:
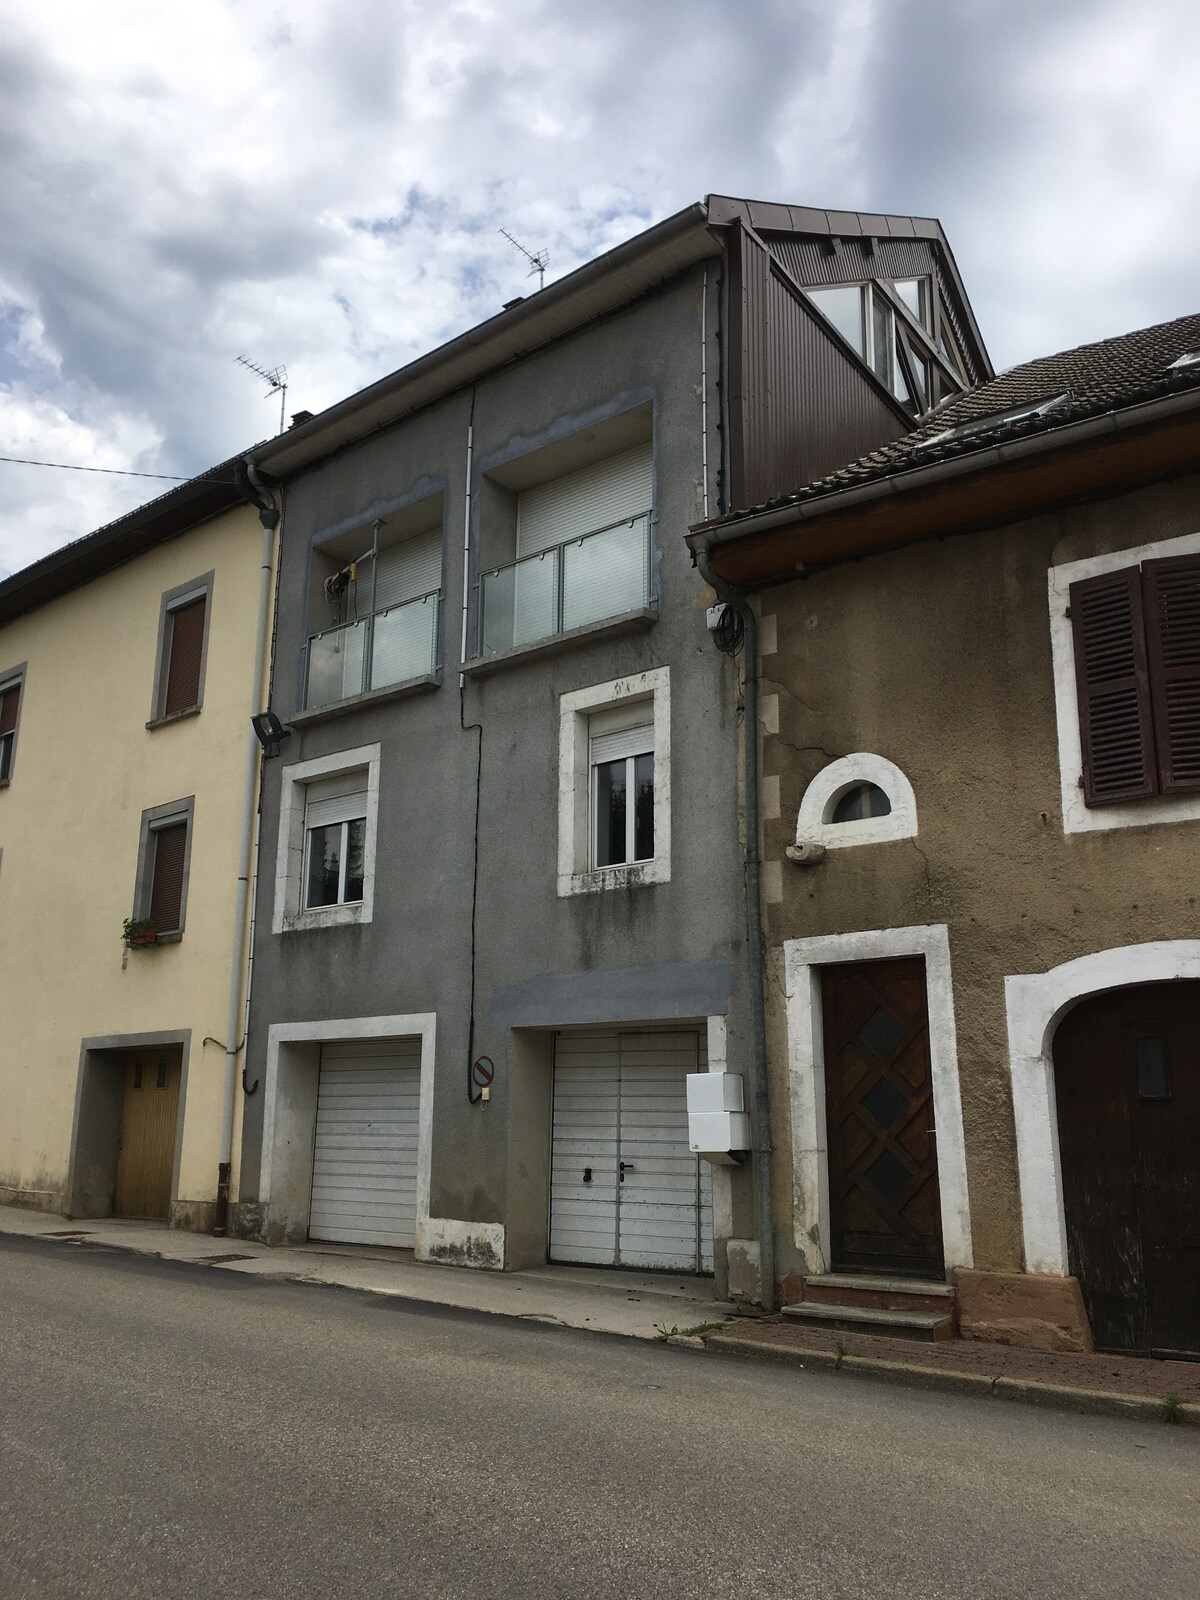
365 1150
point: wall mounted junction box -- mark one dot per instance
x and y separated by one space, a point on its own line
718 1127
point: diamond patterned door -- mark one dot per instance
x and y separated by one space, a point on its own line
883 1179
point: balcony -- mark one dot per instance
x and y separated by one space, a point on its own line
375 652
584 580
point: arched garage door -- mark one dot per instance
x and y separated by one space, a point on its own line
1127 1085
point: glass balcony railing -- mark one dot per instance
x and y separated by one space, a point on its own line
603 574
390 647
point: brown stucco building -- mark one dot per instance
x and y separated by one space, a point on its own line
979 658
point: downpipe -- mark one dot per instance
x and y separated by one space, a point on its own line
763 1210
257 494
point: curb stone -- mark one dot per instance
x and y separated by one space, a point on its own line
1094 1402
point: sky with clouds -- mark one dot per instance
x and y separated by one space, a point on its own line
320 183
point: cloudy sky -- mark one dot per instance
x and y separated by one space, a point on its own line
319 183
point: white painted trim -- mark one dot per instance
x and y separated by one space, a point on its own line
574 777
418 1024
1036 1003
803 959
287 914
812 822
1078 817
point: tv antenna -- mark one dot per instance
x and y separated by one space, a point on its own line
537 263
276 377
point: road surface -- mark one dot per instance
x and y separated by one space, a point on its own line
177 1430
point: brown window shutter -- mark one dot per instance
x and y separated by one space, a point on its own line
166 893
187 645
1112 680
1171 593
9 701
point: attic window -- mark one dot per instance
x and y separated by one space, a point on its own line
994 419
1189 358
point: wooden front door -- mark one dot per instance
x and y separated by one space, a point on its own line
1127 1087
883 1178
146 1153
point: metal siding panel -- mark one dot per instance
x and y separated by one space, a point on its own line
365 1151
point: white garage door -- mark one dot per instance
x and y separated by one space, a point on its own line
625 1190
365 1154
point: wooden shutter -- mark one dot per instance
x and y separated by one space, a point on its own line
1112 679
166 894
1171 594
187 647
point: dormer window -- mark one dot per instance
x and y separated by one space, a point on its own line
865 316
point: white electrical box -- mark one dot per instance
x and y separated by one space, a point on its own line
717 1124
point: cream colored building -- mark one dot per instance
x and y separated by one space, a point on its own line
127 681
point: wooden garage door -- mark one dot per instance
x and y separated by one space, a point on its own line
1127 1089
365 1151
625 1188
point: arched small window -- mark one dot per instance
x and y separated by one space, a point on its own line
858 799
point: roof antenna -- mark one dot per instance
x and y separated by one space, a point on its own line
276 377
537 263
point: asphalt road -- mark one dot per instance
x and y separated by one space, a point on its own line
175 1430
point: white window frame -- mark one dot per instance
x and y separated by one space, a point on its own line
1078 817
576 875
289 912
814 824
631 748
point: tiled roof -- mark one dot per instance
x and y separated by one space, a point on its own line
1095 378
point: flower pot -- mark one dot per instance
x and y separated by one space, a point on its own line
136 940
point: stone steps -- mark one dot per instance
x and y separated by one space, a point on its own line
894 1324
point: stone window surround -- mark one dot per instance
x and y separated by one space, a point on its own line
812 821
154 818
170 602
574 783
1077 816
288 913
14 678
1036 1003
803 960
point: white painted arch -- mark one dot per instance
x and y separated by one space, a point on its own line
803 960
1036 1004
813 825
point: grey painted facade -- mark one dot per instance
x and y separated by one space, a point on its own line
467 894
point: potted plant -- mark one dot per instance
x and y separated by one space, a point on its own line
138 931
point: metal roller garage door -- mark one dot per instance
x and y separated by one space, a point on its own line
625 1189
365 1152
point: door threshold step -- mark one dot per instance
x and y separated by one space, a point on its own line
866 1319
870 1283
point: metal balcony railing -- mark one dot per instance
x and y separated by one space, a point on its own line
389 647
601 574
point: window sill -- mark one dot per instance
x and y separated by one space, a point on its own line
344 916
176 716
4 782
627 622
636 875
373 697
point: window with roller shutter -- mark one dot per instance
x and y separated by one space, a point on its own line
1136 636
10 710
182 649
164 852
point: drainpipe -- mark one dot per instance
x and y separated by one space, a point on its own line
761 1086
257 494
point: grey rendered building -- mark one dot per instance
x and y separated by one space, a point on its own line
502 895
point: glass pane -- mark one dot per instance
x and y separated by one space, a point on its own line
404 644
922 374
497 597
1151 1070
881 1032
335 664
6 744
885 1103
605 574
881 323
843 307
915 294
887 1176
610 813
863 800
534 597
356 838
324 864
643 808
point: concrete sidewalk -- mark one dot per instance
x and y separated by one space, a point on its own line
640 1305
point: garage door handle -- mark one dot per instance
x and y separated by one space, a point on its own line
587 1174
624 1167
